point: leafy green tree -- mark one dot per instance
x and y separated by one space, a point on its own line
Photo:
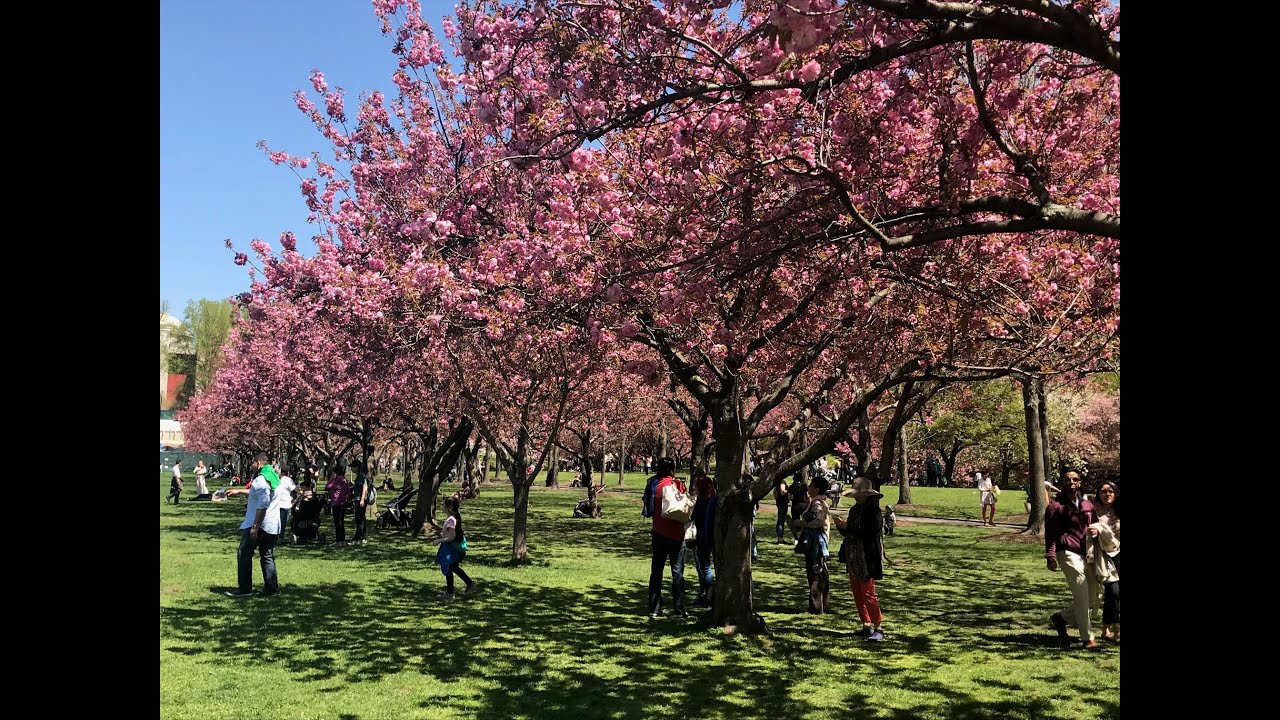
206 325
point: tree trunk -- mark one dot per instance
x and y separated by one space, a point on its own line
424 513
733 599
733 603
584 442
904 481
662 424
366 444
553 468
469 464
622 457
949 463
438 458
1044 427
803 472
520 523
698 432
1035 452
1006 467
587 481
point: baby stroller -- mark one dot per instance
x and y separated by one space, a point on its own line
395 514
306 519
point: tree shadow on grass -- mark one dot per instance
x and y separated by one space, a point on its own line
542 652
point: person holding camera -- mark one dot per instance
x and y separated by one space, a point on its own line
815 527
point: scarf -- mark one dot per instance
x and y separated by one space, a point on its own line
269 474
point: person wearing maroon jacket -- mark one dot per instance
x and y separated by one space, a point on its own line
668 544
1066 524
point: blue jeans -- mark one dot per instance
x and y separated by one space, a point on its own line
265 545
665 550
284 521
782 521
706 570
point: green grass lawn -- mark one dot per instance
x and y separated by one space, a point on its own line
958 503
357 632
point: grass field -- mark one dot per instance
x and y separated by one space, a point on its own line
357 632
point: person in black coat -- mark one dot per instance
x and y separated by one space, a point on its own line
862 553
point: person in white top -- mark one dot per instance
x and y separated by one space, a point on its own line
987 497
284 501
259 531
201 472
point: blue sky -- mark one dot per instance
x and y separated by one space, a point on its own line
228 71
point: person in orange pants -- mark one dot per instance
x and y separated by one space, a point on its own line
862 552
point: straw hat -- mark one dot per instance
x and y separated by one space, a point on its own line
862 487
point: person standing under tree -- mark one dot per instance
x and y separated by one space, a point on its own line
259 531
338 490
668 542
361 497
815 525
453 549
1066 523
864 552
987 497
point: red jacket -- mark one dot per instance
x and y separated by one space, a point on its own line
1065 526
669 529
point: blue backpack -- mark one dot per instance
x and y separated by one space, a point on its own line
650 486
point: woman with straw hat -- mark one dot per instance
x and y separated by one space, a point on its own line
862 554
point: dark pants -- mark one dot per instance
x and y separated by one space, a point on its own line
1111 599
706 570
340 523
285 531
819 586
782 521
175 495
265 545
359 512
665 551
454 569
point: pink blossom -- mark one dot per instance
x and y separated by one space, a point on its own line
810 71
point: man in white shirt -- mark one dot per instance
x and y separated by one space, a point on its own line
259 531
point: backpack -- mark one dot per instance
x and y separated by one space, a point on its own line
650 486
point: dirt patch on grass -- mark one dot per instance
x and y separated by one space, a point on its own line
1016 538
899 508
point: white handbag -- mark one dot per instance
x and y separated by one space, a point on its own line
676 505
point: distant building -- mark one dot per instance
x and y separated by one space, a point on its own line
171 383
